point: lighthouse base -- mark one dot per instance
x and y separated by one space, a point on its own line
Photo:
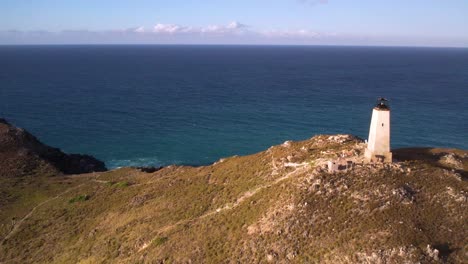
385 157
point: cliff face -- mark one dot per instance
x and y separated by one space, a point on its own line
23 154
281 205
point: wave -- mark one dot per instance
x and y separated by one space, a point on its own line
138 162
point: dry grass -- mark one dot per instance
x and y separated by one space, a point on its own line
242 209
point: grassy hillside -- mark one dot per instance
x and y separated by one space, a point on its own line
280 205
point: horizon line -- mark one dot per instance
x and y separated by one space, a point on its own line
220 44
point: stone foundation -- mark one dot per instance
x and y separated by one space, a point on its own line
385 157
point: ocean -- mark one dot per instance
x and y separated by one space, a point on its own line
155 105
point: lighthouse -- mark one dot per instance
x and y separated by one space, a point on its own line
378 145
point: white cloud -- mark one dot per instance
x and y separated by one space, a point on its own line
236 25
233 27
171 29
139 30
301 33
126 30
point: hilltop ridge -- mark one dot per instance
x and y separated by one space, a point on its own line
281 205
21 154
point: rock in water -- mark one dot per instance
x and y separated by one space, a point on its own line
23 154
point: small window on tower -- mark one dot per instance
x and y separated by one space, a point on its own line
382 124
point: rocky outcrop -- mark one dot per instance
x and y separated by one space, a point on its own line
23 154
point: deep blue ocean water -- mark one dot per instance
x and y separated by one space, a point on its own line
159 105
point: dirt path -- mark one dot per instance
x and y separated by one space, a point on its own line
230 206
20 222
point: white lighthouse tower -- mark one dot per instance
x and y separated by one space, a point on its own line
378 145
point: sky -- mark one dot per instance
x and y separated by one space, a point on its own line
277 22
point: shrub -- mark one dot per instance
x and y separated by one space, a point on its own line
122 184
159 241
79 198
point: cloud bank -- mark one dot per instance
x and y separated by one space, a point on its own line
233 27
231 33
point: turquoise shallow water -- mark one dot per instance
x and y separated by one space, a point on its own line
158 105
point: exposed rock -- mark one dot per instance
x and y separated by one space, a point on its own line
395 255
270 258
460 197
452 160
432 252
404 194
139 200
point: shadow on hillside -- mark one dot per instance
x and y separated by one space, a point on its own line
445 250
431 156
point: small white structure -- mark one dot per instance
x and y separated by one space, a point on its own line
378 145
333 166
339 165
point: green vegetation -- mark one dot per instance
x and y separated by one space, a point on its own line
122 184
159 241
79 198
